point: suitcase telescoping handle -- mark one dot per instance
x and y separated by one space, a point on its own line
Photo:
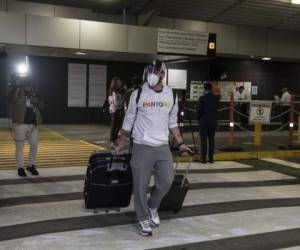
191 156
123 153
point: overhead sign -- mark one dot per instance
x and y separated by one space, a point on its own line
260 112
183 42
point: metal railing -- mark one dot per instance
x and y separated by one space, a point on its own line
281 118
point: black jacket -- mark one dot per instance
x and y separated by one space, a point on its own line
207 110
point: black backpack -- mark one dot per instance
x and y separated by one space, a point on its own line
105 107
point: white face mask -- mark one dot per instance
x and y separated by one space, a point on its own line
152 79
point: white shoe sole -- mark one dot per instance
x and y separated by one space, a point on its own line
145 234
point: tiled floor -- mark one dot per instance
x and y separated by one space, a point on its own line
231 205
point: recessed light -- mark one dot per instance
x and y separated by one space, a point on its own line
295 1
80 53
252 56
266 58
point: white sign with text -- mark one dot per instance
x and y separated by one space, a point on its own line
260 112
182 42
177 78
97 85
77 85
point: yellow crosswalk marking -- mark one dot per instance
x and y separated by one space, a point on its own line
54 150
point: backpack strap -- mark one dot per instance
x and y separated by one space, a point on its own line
138 95
174 97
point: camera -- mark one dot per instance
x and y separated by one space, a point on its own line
16 81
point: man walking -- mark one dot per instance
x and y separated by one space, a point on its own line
152 112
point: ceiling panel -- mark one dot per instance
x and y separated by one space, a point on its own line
267 14
103 6
259 13
196 9
92 54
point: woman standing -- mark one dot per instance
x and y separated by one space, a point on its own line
116 100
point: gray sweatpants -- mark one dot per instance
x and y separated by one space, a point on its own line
147 161
24 132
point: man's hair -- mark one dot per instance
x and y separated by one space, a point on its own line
154 66
159 65
208 86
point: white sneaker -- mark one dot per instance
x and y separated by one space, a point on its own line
144 228
154 217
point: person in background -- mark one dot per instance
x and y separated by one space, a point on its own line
285 101
116 100
25 104
236 93
151 114
244 106
285 97
216 90
207 116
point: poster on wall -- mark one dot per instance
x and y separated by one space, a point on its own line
177 78
77 85
226 87
97 85
196 90
254 90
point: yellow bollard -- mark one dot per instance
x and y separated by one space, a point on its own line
257 135
299 129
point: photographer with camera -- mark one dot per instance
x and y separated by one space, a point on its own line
25 104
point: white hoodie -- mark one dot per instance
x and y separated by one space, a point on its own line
155 116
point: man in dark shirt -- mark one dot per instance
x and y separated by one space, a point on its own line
207 116
25 104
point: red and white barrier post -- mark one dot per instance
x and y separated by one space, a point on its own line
231 121
291 120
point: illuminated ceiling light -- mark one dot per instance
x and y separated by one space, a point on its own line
22 69
295 1
266 58
80 53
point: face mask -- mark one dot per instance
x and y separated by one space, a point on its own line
152 79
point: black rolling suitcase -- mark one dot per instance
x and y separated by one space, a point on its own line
108 182
174 199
